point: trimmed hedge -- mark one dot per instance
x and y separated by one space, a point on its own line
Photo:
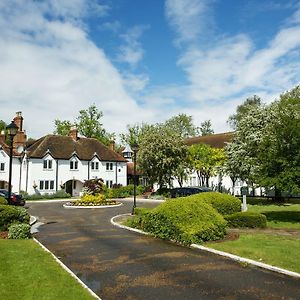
189 221
3 201
12 214
93 200
19 231
246 219
61 194
224 204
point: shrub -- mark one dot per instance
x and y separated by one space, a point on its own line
19 231
3 201
94 186
11 214
223 203
119 191
60 194
186 222
246 219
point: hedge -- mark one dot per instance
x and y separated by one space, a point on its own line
246 219
12 214
185 222
3 201
224 204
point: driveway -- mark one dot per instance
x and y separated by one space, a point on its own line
118 264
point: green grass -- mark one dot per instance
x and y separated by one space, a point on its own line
280 251
279 216
28 272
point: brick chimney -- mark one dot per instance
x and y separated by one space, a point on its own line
2 137
73 133
112 145
20 138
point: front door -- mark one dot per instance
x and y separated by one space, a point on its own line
69 187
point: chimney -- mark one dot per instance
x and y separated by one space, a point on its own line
19 120
2 137
112 145
73 133
20 138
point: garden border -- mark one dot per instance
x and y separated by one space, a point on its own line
211 250
90 206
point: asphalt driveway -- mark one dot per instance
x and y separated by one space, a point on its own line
118 264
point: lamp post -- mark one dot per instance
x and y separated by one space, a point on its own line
135 149
12 130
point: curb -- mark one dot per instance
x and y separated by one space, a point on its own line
49 200
91 206
32 220
221 253
68 270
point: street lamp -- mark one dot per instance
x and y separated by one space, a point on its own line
135 149
12 130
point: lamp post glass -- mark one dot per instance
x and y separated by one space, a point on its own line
12 130
135 150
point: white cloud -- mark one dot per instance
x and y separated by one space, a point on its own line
50 69
131 51
189 18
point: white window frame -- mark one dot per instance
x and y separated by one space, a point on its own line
2 167
95 165
46 185
73 165
109 183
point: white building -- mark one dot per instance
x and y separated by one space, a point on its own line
56 162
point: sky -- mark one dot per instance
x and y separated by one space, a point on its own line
143 61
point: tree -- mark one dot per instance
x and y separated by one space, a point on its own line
2 125
243 109
206 128
135 134
62 127
88 124
242 152
161 152
182 125
205 161
279 149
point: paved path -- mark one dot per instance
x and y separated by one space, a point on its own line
118 264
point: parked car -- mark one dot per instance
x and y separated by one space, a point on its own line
14 199
187 191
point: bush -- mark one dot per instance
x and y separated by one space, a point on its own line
61 194
223 203
19 231
94 186
119 191
3 201
246 219
11 214
186 222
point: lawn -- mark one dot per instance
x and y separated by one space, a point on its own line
279 251
279 216
28 272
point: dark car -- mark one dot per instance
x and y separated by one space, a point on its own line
14 198
187 191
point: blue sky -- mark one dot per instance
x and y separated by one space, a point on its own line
144 61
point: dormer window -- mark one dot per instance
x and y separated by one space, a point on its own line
73 165
95 165
47 163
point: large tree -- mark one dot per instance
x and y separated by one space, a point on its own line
206 128
161 152
279 149
206 161
182 125
88 124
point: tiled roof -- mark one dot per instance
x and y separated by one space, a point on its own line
218 140
63 147
130 169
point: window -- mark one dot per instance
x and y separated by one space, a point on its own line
46 184
95 165
109 166
74 165
47 164
2 166
109 183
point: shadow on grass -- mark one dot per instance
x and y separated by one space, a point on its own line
283 216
